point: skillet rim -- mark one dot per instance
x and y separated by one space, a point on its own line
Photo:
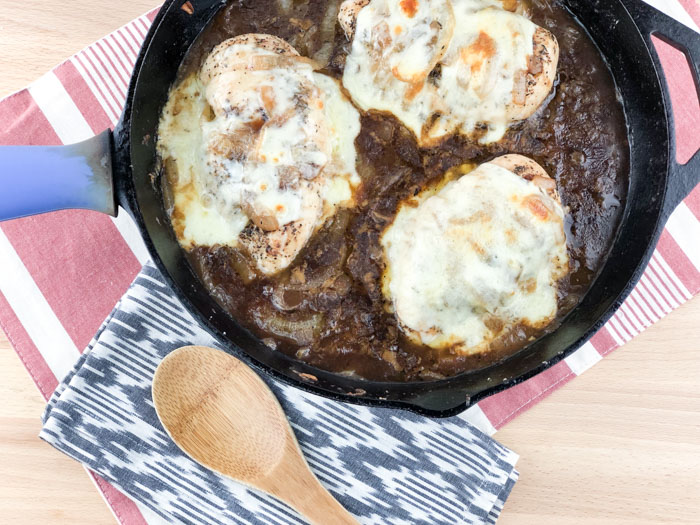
461 396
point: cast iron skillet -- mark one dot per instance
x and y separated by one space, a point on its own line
118 168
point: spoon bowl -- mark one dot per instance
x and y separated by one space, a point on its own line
222 415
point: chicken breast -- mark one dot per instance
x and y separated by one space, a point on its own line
479 258
349 9
410 37
347 15
497 68
497 72
268 152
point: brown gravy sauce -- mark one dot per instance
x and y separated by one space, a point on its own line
327 308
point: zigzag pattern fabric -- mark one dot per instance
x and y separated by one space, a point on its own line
385 466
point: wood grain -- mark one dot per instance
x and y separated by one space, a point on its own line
36 35
620 444
201 396
39 484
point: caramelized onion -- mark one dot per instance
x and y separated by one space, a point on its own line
259 215
267 62
430 375
267 94
300 330
534 63
171 173
327 34
264 62
520 88
270 342
317 278
340 223
546 183
242 268
287 298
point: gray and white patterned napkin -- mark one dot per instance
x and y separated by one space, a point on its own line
385 466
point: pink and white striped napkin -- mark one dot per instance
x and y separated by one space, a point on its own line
61 273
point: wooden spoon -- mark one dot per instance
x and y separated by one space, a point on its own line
222 415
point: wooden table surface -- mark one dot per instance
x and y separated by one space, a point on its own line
620 444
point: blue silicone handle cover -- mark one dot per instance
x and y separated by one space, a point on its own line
39 179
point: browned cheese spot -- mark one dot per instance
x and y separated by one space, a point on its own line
481 49
510 5
538 208
409 7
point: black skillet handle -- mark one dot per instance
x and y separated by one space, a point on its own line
445 402
651 22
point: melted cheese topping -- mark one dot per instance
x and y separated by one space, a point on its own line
196 221
484 54
478 71
261 142
414 35
478 257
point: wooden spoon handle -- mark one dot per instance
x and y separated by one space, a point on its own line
324 509
320 508
295 484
